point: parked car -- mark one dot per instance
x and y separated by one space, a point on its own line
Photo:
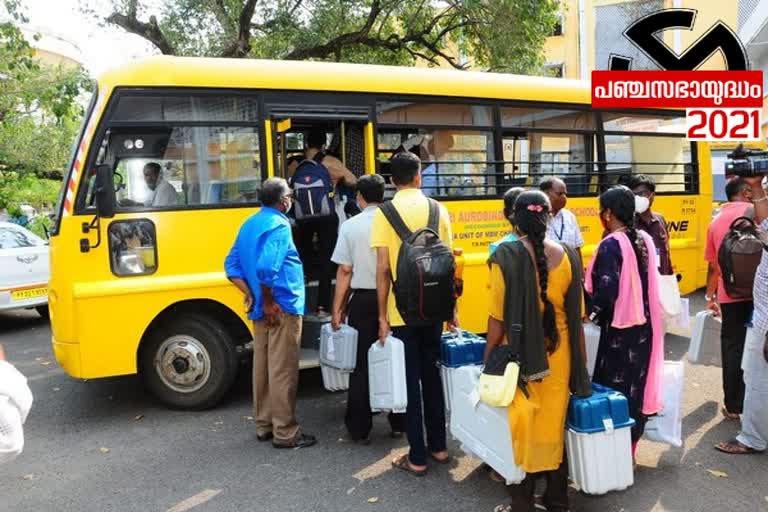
24 269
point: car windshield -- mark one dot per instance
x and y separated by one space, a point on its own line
15 238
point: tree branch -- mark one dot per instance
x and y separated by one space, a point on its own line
220 11
149 31
335 44
295 6
241 47
133 7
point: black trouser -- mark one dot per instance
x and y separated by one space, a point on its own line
555 497
734 332
327 231
364 317
422 376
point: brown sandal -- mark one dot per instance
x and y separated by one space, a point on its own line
734 447
730 416
402 462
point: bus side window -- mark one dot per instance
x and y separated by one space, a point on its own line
455 142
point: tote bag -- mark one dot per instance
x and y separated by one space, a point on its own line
669 295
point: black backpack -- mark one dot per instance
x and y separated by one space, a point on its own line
312 190
425 288
738 257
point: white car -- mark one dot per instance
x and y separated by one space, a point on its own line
24 269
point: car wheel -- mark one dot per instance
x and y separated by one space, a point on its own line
43 312
189 363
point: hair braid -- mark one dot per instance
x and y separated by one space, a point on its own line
638 243
548 318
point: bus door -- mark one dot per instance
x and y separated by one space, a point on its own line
349 137
347 120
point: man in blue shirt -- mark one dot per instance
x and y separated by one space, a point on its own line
264 264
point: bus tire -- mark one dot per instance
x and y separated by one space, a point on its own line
189 363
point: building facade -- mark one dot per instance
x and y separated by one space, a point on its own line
593 29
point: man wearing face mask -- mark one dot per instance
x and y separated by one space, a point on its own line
264 264
651 222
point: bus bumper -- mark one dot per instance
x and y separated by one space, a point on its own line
68 356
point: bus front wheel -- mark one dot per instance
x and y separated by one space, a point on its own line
189 362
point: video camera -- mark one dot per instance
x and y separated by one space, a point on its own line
746 163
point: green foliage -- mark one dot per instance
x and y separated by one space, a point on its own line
498 35
40 225
40 105
17 189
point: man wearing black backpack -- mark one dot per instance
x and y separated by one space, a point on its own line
753 436
416 295
314 184
734 309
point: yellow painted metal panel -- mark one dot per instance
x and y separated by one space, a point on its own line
370 149
270 150
165 71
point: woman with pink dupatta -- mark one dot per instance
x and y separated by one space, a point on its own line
622 283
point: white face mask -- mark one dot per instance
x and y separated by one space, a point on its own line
642 204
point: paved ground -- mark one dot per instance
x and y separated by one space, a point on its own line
159 459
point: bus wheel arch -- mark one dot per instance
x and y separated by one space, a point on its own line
188 355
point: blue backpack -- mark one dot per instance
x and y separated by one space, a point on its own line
312 190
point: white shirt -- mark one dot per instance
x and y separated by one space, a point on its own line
163 195
15 403
564 227
353 248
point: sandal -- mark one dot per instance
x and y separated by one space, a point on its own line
496 477
404 463
503 508
734 447
446 460
730 416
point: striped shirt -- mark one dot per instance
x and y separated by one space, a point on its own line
760 291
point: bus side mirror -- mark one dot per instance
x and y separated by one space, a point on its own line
105 191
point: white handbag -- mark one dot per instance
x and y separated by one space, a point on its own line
669 295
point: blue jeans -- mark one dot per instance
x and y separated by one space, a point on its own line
422 375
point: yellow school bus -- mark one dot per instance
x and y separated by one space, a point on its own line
137 280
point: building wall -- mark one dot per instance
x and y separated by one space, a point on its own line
565 48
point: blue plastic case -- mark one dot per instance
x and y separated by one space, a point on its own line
455 351
590 415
